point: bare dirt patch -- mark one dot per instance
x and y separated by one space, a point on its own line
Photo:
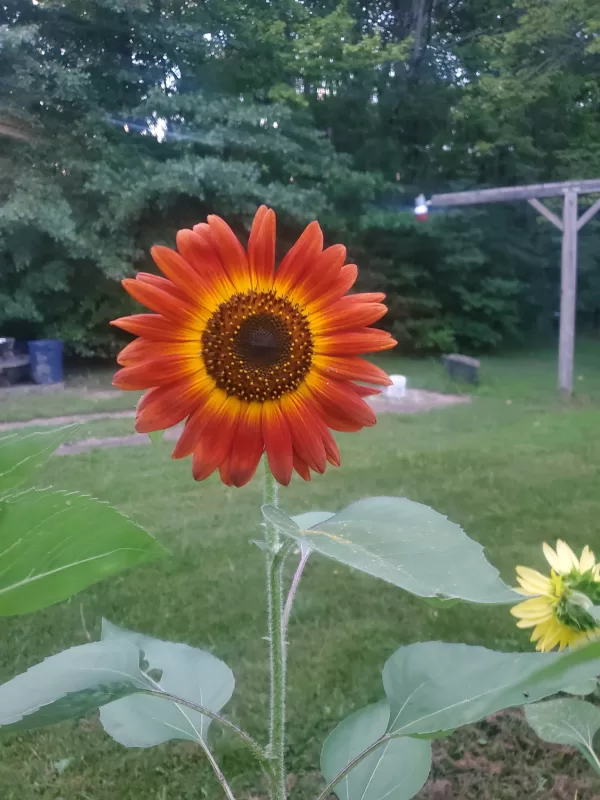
416 400
68 419
501 758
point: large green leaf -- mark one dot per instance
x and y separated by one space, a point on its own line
396 770
70 684
434 686
22 453
310 519
187 672
55 543
405 543
567 721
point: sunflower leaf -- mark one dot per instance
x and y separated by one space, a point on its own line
435 686
187 672
404 543
310 519
21 454
70 684
396 770
582 688
567 721
55 543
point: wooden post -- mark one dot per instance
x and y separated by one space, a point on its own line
568 295
569 225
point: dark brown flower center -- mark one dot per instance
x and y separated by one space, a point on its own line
257 346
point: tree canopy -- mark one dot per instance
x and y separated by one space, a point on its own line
123 120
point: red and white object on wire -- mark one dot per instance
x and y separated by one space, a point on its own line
421 208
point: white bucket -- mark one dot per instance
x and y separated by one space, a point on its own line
398 388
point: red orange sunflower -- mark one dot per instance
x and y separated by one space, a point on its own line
254 359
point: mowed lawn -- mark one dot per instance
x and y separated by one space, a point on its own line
514 468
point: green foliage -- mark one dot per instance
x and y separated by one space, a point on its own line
70 685
567 721
124 121
435 686
53 543
402 542
117 148
187 672
397 769
22 454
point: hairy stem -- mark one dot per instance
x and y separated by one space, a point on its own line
179 702
275 554
350 766
293 588
246 738
217 770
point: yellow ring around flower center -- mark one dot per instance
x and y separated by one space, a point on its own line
257 346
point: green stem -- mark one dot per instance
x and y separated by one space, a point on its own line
181 701
217 770
275 557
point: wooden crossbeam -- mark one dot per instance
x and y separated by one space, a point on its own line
14 130
569 225
506 194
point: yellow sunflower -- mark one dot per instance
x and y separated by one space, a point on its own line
254 359
557 608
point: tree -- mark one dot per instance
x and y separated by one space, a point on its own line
121 120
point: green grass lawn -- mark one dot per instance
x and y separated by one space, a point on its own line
515 467
85 392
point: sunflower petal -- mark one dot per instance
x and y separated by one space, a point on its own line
215 441
352 368
552 558
300 255
165 406
345 281
341 401
347 316
231 253
567 557
247 446
161 283
538 608
353 343
155 327
320 275
301 467
197 249
156 299
308 443
278 443
181 274
156 372
533 582
261 249
141 350
587 562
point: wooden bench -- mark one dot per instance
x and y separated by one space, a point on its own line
462 368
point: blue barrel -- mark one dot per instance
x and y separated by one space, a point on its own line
46 360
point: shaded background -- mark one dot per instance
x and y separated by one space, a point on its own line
124 120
